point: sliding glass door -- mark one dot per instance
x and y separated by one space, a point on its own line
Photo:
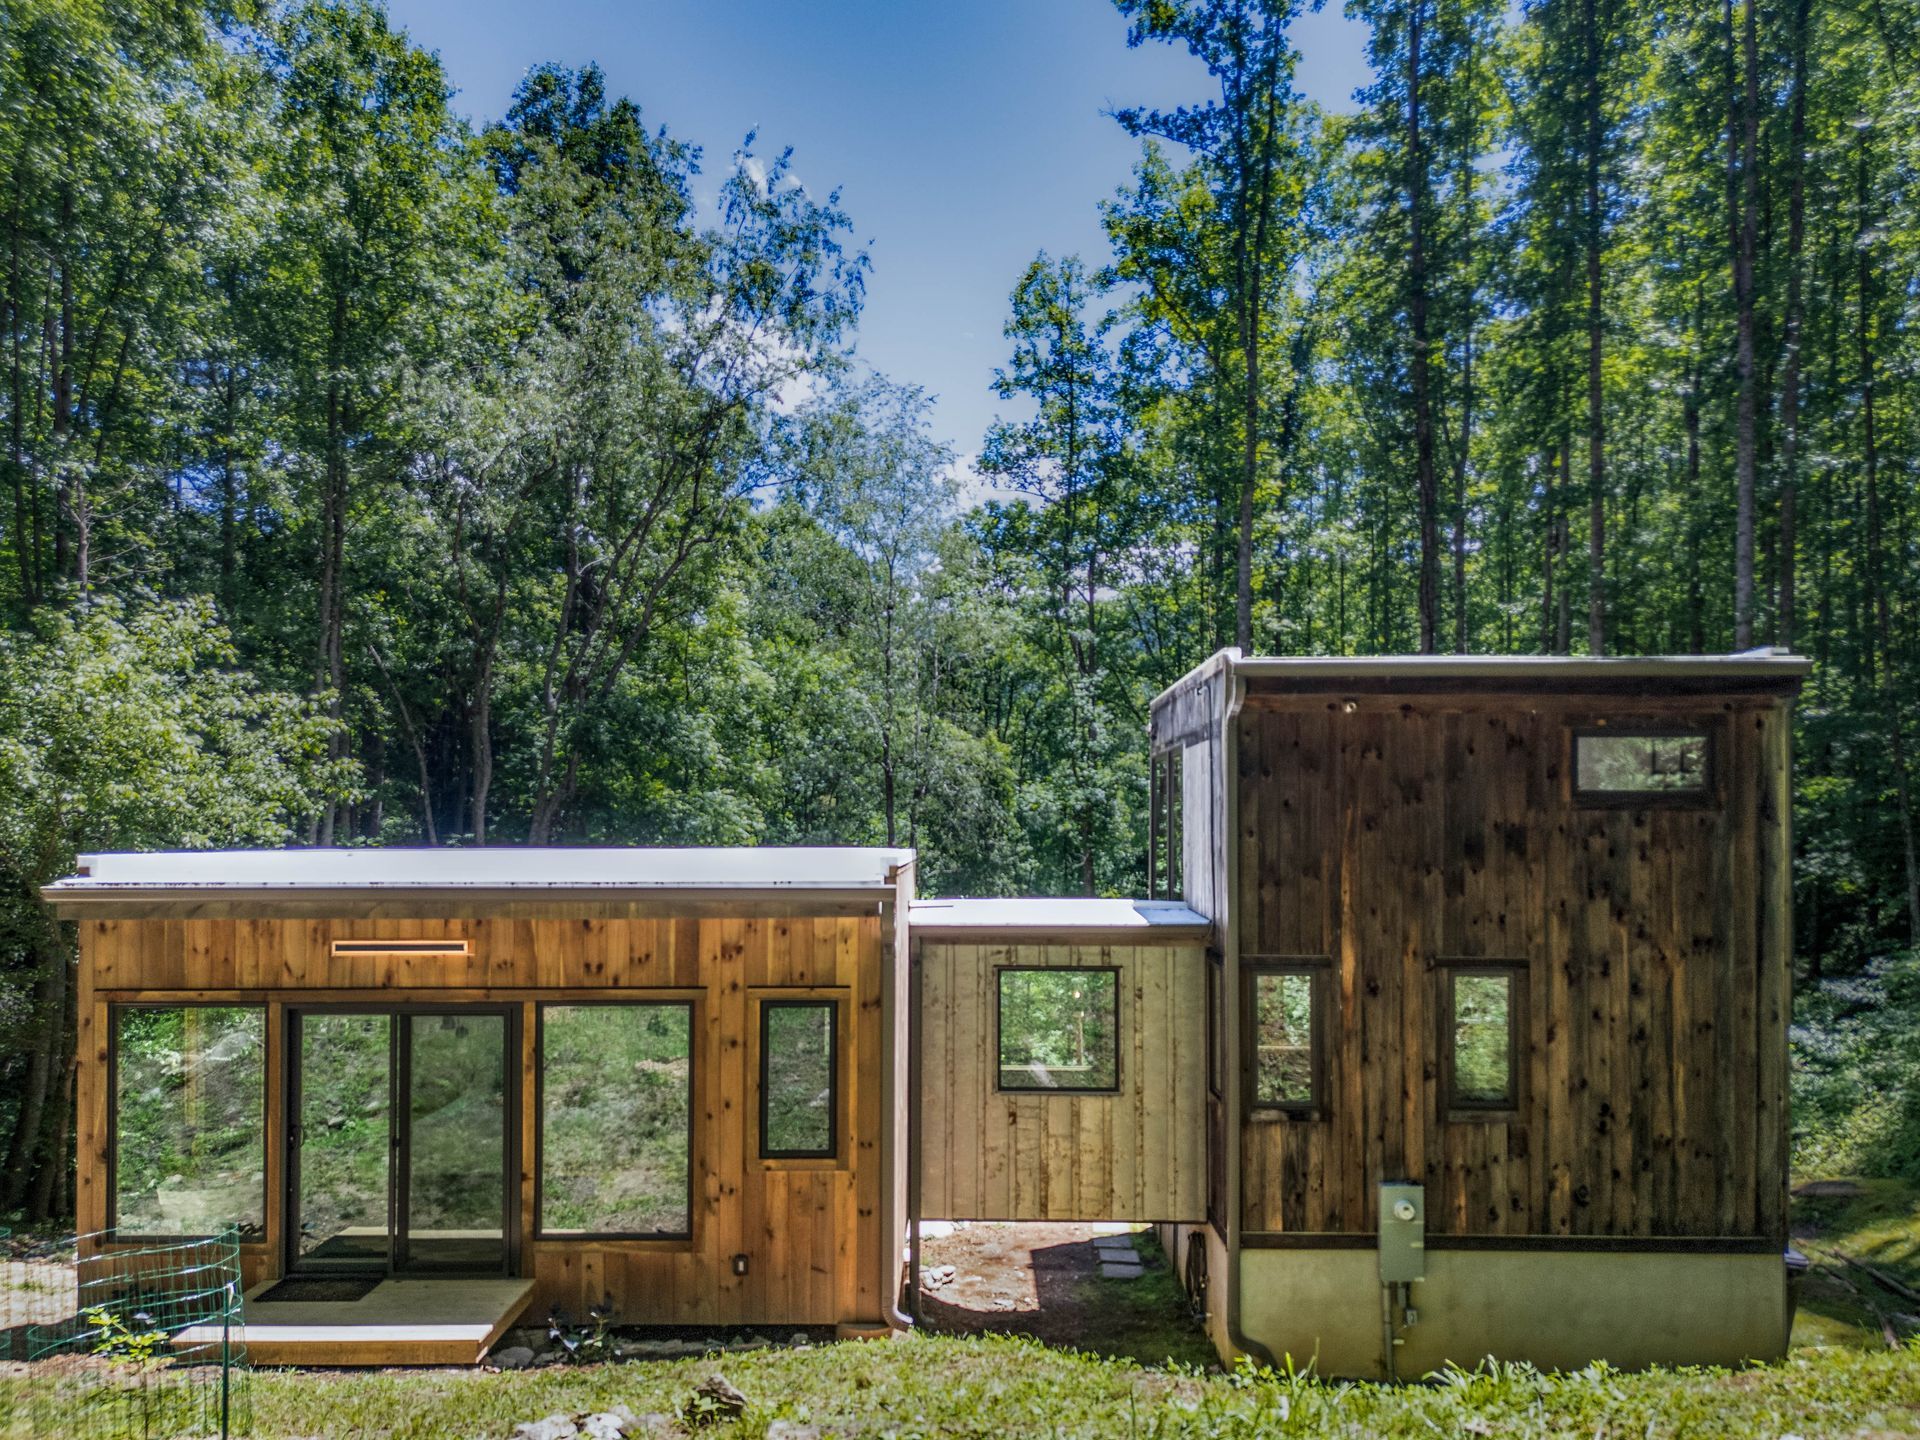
400 1140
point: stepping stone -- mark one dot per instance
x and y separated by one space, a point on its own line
1120 1270
1113 1242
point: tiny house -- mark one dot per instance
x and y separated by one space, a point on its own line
1453 1025
438 1089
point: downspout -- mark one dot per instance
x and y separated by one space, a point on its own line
890 1101
1236 687
913 1129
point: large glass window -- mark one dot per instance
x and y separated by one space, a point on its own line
189 1102
616 1119
1168 819
1613 763
1059 1029
1481 1041
1285 1022
799 1091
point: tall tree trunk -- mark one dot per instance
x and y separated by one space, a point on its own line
329 664
1743 125
1417 300
1596 435
1790 369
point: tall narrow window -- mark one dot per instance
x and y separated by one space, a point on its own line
1480 1040
1639 766
616 1119
1284 1024
189 1104
799 1079
1166 807
1216 1024
1059 1029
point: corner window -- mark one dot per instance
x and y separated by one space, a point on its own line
1480 1039
1284 1024
1641 765
1164 880
1059 1029
616 1120
799 1079
189 1106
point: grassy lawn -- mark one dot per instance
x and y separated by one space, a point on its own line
998 1386
1877 1223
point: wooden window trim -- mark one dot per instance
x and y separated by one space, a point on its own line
999 1070
1317 969
829 1158
638 1000
114 1011
1515 972
1704 796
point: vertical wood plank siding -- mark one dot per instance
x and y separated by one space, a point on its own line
811 1230
1139 1154
1387 833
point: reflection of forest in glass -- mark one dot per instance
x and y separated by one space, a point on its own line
345 1096
616 1135
1641 762
457 1115
1482 1066
1283 1039
798 1047
1057 1030
189 1096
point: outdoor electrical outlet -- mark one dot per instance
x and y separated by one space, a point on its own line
1403 1233
740 1264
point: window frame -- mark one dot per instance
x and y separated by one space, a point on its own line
1704 796
267 1057
1453 1105
677 1238
1316 970
835 1005
1166 823
1216 1024
1000 972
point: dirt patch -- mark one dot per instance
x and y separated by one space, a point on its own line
1046 1281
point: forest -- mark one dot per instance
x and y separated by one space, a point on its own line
378 476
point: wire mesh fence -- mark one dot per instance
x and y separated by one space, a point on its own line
121 1338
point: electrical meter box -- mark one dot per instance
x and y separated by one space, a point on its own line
1403 1233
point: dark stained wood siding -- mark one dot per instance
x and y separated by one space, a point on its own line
1388 833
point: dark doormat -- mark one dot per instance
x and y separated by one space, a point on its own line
321 1287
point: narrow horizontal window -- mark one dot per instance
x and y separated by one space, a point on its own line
1480 1042
616 1119
402 947
1284 1016
189 1104
799 1079
1611 763
1059 1029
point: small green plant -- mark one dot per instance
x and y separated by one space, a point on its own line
114 1339
584 1344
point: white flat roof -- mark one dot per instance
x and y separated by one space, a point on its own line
502 867
1072 913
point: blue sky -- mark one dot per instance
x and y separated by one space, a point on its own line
965 135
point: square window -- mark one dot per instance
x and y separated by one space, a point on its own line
1059 1029
616 1119
1641 765
1480 1042
1285 1022
189 1106
799 1079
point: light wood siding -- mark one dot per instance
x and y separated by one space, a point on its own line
1386 833
991 1155
812 1232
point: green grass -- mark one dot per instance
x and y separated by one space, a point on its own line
993 1387
1839 1304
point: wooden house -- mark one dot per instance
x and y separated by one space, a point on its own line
1500 999
479 1083
1454 1025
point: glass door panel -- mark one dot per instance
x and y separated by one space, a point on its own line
343 1141
454 1154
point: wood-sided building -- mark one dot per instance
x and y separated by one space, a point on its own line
1499 1004
672 1081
